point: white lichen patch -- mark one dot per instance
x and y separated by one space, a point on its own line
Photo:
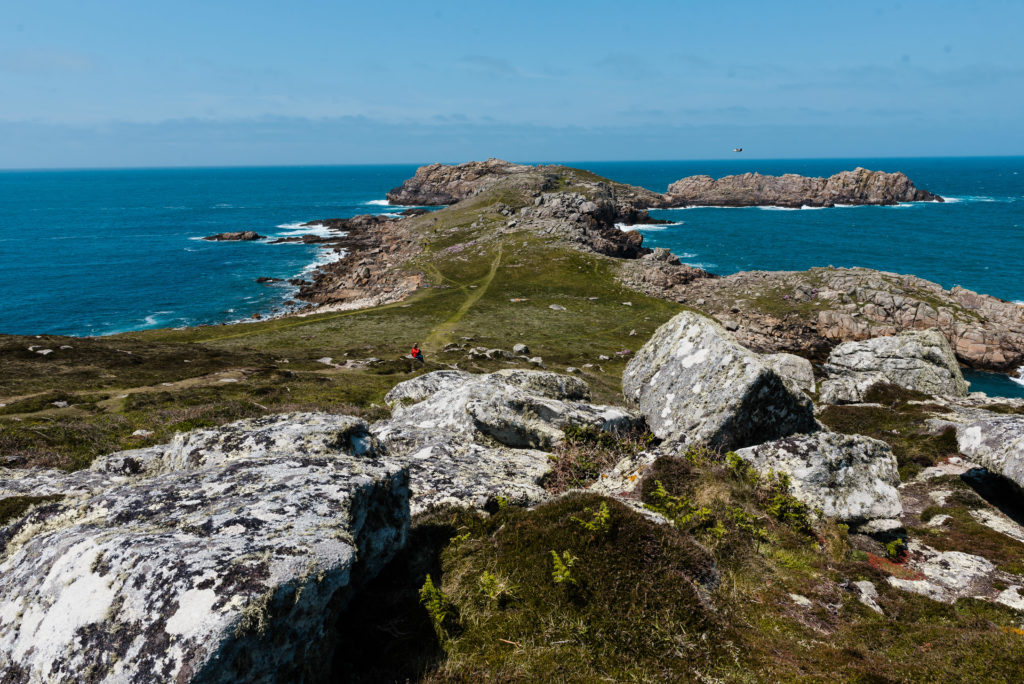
195 608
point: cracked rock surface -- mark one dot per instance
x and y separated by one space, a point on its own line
225 569
469 439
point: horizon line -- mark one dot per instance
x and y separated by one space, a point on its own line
212 167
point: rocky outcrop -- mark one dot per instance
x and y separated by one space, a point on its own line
695 384
472 439
851 478
438 184
859 186
796 369
239 235
918 360
809 312
305 434
231 567
588 222
997 443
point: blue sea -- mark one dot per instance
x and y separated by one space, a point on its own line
104 251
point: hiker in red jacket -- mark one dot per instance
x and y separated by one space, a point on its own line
416 353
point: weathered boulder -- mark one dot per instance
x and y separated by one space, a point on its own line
796 369
919 360
997 443
851 478
694 383
859 186
480 437
422 387
232 571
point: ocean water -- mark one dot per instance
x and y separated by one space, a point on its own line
99 252
105 251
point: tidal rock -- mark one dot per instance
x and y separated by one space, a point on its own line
228 572
238 235
796 369
695 384
920 360
859 186
997 443
851 478
476 438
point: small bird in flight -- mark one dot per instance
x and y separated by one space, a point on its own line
737 149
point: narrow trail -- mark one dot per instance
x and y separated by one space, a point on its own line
444 330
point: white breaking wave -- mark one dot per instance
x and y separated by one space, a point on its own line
152 318
326 256
1019 377
975 198
380 203
318 229
626 227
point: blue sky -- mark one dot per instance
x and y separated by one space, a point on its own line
95 83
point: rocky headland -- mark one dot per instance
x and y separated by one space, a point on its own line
611 465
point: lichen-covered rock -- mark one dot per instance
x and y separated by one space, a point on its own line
301 434
696 384
919 360
229 572
477 438
422 387
997 443
796 369
946 576
851 478
50 481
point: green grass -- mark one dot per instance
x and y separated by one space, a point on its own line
276 364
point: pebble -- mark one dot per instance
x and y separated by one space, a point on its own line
557 307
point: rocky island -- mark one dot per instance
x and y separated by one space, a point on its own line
241 235
612 466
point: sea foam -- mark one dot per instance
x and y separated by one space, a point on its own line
626 227
318 229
